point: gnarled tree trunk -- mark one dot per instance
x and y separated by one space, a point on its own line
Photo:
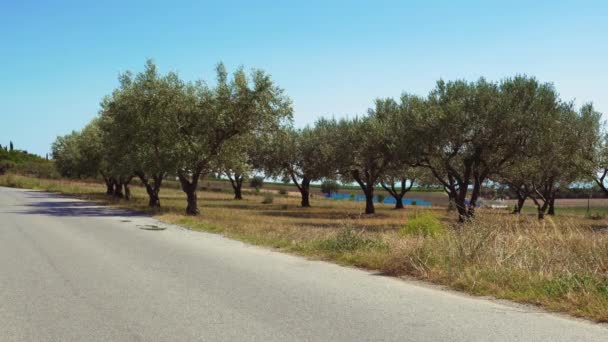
551 210
237 184
125 184
109 180
303 187
190 187
305 192
118 192
398 195
367 185
152 189
520 204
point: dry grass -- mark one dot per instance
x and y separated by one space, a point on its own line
560 264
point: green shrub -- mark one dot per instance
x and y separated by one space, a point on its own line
349 240
380 198
6 165
330 186
423 223
564 284
256 182
414 203
352 197
268 199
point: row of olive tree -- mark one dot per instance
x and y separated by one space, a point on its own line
156 125
516 132
461 136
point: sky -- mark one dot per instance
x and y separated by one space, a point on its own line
333 58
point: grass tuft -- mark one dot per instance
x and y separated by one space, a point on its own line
349 240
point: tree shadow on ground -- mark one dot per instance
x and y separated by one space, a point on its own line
67 207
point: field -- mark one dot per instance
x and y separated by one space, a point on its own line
560 264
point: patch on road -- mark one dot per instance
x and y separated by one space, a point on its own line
151 227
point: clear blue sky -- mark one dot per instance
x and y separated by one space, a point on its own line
58 58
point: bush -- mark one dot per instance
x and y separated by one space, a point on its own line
6 165
282 191
330 186
423 223
268 199
596 216
38 169
349 240
380 198
352 197
414 203
256 182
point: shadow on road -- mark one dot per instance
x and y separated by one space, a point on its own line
58 205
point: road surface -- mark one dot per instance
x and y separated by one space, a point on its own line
73 271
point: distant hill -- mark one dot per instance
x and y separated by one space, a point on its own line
23 162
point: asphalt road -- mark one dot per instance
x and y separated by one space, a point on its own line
73 271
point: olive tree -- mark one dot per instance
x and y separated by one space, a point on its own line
401 173
363 150
301 156
471 131
234 161
79 154
209 117
137 120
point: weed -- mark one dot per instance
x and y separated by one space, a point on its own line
349 240
423 223
268 199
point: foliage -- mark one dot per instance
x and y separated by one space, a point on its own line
330 186
470 131
423 223
22 162
516 134
256 182
301 156
6 165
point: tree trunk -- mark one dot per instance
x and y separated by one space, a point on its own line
152 189
118 189
192 208
305 192
368 189
238 193
237 184
474 197
190 187
551 211
398 196
369 200
109 185
541 213
462 209
520 204
125 185
304 188
398 202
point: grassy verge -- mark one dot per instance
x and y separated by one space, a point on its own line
560 264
